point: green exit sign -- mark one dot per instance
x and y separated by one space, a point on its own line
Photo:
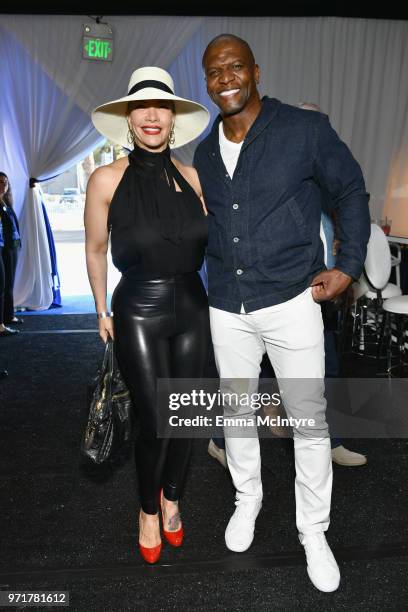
97 49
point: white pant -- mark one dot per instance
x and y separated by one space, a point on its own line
292 334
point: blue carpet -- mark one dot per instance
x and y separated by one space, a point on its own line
71 304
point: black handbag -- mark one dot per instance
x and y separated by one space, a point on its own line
109 425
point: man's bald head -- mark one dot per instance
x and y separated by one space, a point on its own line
232 76
226 38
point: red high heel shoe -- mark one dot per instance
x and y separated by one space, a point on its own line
175 538
150 555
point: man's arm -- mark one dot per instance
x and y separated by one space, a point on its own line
340 175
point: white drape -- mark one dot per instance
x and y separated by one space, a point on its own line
355 69
34 290
54 41
49 92
44 133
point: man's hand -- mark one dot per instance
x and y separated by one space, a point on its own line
329 284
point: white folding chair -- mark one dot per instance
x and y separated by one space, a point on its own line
372 288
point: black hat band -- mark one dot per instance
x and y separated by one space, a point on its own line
155 84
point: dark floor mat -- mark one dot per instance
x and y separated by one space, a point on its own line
57 516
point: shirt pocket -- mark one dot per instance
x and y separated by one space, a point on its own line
285 245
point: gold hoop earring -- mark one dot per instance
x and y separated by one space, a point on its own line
172 137
131 138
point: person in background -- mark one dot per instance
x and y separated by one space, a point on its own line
10 243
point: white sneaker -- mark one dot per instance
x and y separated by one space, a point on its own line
321 565
217 453
240 529
343 456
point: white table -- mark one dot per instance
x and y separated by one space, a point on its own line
398 239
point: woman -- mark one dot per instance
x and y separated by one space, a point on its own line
152 205
10 243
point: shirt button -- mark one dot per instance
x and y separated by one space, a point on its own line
239 271
235 206
236 239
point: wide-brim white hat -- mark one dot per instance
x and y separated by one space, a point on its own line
151 83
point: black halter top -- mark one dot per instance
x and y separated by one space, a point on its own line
156 231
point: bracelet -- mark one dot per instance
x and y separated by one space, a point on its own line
104 315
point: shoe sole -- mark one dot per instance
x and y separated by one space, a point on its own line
322 590
239 550
345 464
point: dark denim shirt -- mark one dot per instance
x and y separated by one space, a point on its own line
264 225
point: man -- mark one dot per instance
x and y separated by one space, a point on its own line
261 169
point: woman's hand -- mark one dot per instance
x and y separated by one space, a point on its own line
106 329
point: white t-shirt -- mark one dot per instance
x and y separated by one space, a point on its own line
229 152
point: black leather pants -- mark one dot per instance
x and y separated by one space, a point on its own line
161 331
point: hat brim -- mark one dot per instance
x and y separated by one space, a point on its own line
191 118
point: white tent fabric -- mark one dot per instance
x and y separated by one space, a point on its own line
55 42
355 69
46 124
45 133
